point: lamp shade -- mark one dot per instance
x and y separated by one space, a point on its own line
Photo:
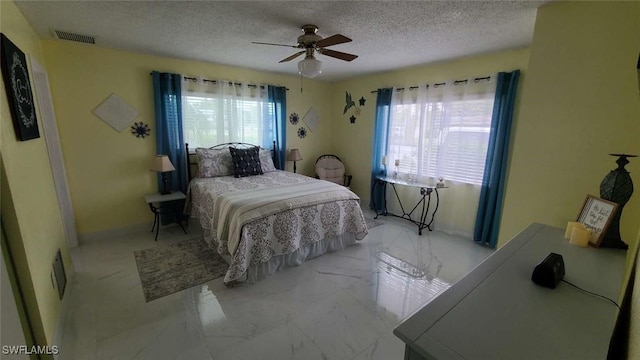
161 163
310 67
294 155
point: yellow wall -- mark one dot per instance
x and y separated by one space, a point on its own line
30 212
108 171
580 102
354 142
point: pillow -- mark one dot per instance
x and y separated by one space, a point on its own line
333 175
266 161
213 163
246 162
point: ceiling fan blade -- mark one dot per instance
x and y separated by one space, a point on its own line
262 43
338 54
293 56
333 40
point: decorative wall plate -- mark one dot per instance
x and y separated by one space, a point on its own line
140 129
293 118
302 132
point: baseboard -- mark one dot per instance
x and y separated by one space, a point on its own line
193 224
62 315
111 233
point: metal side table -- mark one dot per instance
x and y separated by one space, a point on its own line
424 200
165 204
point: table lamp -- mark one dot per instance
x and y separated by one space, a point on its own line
162 164
294 155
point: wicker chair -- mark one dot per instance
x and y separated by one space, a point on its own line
329 167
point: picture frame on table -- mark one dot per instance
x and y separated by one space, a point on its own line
596 215
17 84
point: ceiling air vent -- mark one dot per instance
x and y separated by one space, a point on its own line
65 35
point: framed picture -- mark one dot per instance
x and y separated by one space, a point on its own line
18 88
596 214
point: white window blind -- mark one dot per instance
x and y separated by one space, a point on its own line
441 137
226 115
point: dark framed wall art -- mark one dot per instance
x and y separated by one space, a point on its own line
18 88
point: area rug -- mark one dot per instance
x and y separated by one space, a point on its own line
167 269
372 223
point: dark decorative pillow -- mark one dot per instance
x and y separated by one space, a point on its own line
246 162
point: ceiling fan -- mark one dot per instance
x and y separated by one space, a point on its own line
311 67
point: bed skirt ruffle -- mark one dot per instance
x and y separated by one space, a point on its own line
263 270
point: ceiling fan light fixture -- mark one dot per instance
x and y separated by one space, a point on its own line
310 67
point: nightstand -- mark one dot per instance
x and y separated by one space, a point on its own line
165 204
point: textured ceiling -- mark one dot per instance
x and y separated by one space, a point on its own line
386 35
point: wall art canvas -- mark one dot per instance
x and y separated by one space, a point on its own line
18 87
311 119
116 112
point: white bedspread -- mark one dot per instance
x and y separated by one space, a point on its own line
234 210
264 232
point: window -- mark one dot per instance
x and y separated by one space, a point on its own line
441 138
210 118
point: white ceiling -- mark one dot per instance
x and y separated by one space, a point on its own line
386 34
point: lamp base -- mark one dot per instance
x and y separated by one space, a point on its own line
616 187
294 167
165 185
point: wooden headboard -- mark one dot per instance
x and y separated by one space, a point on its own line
193 161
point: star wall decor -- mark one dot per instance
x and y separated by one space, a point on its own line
362 100
352 119
294 118
140 129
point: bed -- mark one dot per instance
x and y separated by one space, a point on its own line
271 219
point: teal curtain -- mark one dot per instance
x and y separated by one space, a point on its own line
169 136
495 169
380 142
277 96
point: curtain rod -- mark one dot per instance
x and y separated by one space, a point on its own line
215 81
456 82
230 83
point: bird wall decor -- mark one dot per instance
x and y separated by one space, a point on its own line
350 103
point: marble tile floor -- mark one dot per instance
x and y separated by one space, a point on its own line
343 305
